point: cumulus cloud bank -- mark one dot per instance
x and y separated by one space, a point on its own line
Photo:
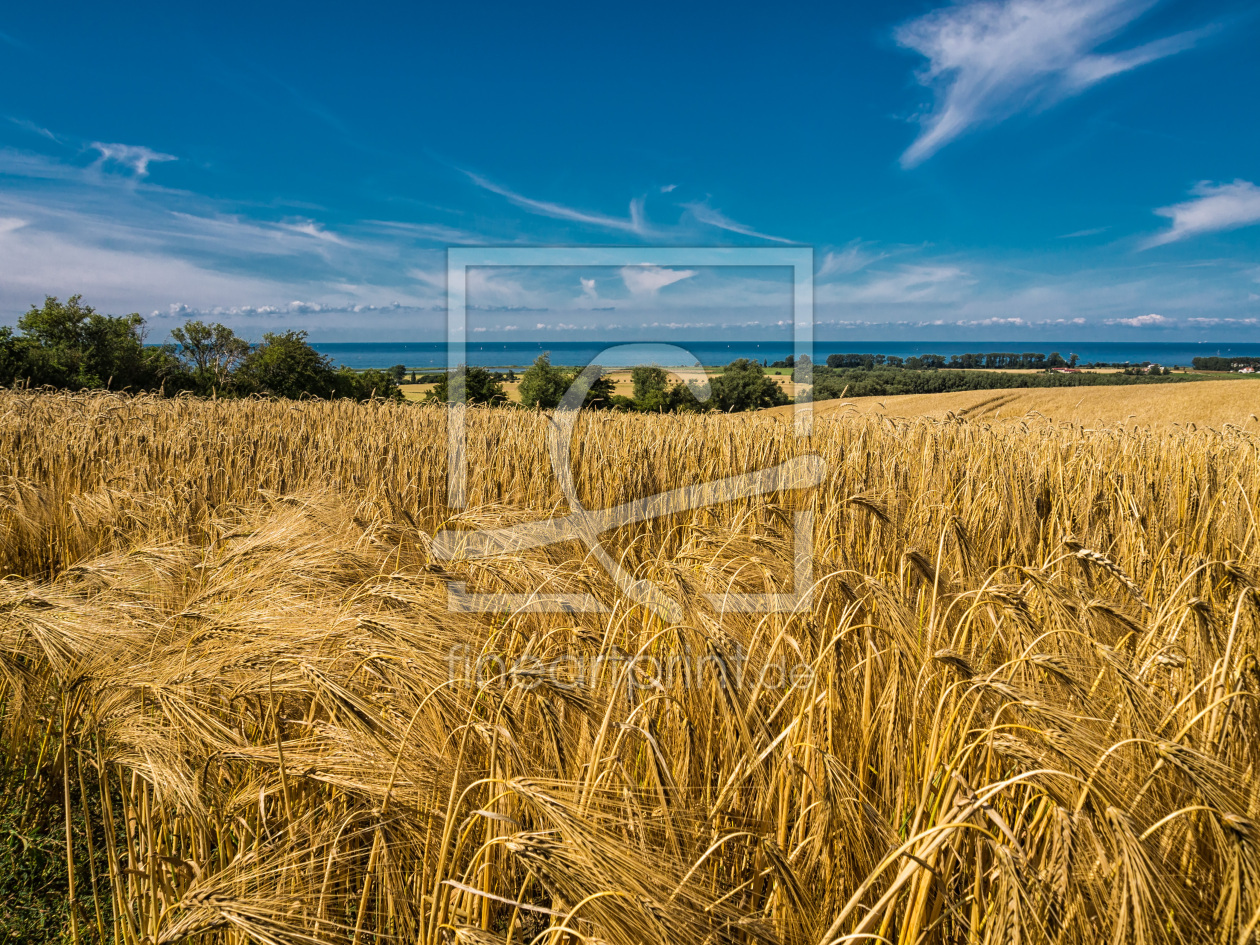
1142 321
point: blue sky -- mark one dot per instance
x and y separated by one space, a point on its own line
1014 169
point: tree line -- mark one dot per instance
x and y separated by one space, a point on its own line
742 385
885 381
71 346
993 360
1224 364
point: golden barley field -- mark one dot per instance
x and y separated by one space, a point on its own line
1023 704
1197 404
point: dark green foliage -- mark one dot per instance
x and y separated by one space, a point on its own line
887 381
744 385
71 345
648 380
599 396
1224 364
543 385
371 384
285 365
480 385
209 354
34 891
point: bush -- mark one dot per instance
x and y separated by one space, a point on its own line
743 385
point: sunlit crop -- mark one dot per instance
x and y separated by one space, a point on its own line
1027 709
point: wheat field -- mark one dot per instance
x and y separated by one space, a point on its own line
1202 403
1026 709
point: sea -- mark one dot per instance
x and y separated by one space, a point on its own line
430 356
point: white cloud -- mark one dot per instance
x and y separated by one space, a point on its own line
635 224
1141 321
1215 207
667 188
128 245
710 217
500 290
1213 322
429 232
135 156
853 258
989 60
34 128
648 280
588 288
314 230
909 283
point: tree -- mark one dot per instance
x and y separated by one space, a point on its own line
210 353
599 396
543 385
399 371
1212 364
285 365
72 345
743 385
683 399
372 384
482 387
13 356
647 380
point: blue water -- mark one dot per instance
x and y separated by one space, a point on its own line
423 356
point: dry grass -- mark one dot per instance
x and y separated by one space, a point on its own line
1201 403
1032 713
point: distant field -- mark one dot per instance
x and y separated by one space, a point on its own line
1205 403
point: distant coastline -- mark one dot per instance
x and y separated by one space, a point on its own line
428 356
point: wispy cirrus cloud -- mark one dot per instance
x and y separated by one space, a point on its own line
1092 231
705 214
136 157
635 223
129 245
1215 207
33 128
853 258
989 60
909 283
